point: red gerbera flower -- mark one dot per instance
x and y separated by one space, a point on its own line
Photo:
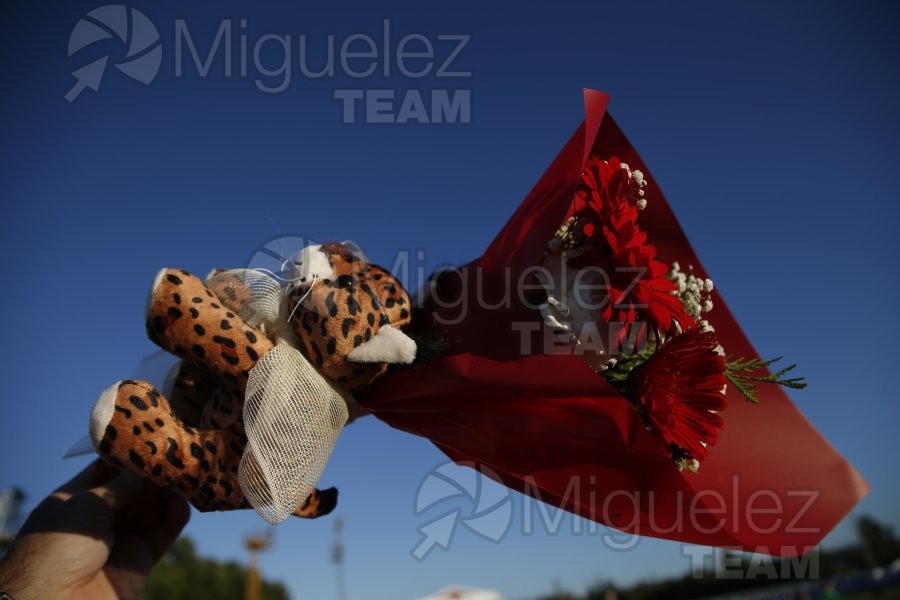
680 390
603 186
638 291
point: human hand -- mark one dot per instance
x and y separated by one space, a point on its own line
97 536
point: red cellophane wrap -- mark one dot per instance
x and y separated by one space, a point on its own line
548 425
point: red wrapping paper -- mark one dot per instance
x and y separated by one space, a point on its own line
547 425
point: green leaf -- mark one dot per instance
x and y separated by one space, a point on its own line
744 374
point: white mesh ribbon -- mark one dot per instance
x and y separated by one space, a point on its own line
253 295
293 417
292 414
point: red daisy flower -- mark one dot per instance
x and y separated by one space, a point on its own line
680 390
638 291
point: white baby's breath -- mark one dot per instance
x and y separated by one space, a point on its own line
691 290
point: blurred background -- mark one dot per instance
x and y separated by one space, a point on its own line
192 134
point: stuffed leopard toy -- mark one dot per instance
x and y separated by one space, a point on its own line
345 317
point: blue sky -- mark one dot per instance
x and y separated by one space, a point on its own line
771 127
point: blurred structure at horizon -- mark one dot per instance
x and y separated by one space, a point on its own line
455 592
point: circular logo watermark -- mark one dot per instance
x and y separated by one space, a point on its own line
143 49
488 513
276 254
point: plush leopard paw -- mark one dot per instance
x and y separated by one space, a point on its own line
319 504
134 427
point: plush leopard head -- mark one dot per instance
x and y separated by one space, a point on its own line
348 315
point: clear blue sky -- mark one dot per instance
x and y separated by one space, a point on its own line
771 127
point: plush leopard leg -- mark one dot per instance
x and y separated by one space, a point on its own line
133 426
187 319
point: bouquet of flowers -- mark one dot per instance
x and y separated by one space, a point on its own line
586 359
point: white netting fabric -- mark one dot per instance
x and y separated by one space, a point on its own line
255 296
293 417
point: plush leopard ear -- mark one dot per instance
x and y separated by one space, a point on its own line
389 345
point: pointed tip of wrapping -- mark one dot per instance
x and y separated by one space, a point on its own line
595 103
592 95
856 483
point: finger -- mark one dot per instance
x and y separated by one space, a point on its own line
80 482
94 511
175 516
83 480
137 551
119 492
96 473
